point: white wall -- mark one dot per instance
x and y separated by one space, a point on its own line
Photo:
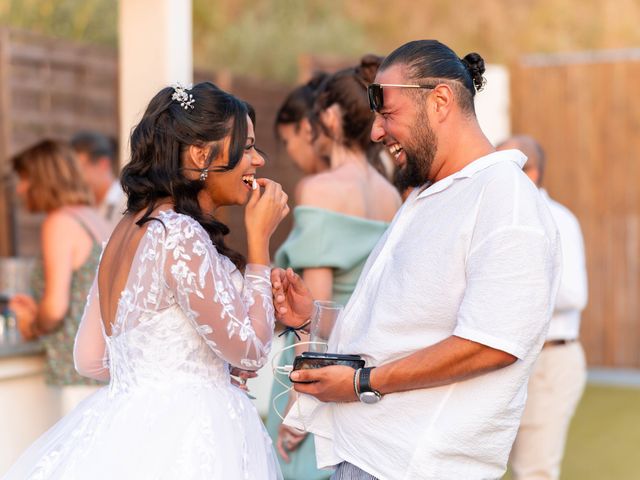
155 50
493 103
28 406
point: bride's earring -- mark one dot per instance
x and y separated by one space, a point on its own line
204 173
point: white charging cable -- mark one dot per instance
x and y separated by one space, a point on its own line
286 370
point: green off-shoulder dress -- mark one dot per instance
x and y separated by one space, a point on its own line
320 238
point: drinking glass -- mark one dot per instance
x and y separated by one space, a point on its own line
322 323
15 277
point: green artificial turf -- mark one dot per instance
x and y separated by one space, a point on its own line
604 438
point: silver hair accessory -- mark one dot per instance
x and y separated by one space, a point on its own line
181 95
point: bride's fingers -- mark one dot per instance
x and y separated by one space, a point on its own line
276 276
295 280
279 281
254 197
285 211
242 386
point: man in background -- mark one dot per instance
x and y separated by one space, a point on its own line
558 378
96 154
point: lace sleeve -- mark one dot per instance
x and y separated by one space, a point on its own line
237 326
89 349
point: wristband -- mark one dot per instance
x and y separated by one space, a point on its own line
295 330
356 382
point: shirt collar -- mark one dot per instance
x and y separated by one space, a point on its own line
544 194
515 156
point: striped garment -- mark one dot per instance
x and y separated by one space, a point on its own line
348 471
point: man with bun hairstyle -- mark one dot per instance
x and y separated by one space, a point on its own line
454 302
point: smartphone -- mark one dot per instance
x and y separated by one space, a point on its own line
318 360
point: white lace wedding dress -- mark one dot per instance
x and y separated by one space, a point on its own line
169 411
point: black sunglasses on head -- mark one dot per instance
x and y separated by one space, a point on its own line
376 99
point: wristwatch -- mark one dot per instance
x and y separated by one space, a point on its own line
365 392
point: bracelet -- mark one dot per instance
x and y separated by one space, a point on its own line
356 382
295 330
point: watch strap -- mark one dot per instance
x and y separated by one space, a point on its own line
364 382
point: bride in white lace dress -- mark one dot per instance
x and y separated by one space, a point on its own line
170 310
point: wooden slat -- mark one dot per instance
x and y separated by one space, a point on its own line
6 227
632 142
585 112
56 88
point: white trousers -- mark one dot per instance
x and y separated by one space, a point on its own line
555 388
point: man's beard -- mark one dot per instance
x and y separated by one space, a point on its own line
419 155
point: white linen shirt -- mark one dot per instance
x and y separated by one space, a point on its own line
113 206
572 293
475 255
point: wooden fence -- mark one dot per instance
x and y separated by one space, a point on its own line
48 88
54 88
585 111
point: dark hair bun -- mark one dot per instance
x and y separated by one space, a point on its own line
475 65
368 67
317 80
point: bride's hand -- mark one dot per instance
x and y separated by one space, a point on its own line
243 376
292 299
265 210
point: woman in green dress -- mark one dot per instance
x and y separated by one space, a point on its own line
340 215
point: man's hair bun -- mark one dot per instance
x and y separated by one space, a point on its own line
475 66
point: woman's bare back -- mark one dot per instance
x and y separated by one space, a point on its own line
352 189
117 259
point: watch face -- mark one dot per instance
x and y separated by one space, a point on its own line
369 397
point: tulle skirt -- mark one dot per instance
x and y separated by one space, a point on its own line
186 432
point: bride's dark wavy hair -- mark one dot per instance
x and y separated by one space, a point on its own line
158 142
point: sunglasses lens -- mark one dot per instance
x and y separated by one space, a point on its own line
375 96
